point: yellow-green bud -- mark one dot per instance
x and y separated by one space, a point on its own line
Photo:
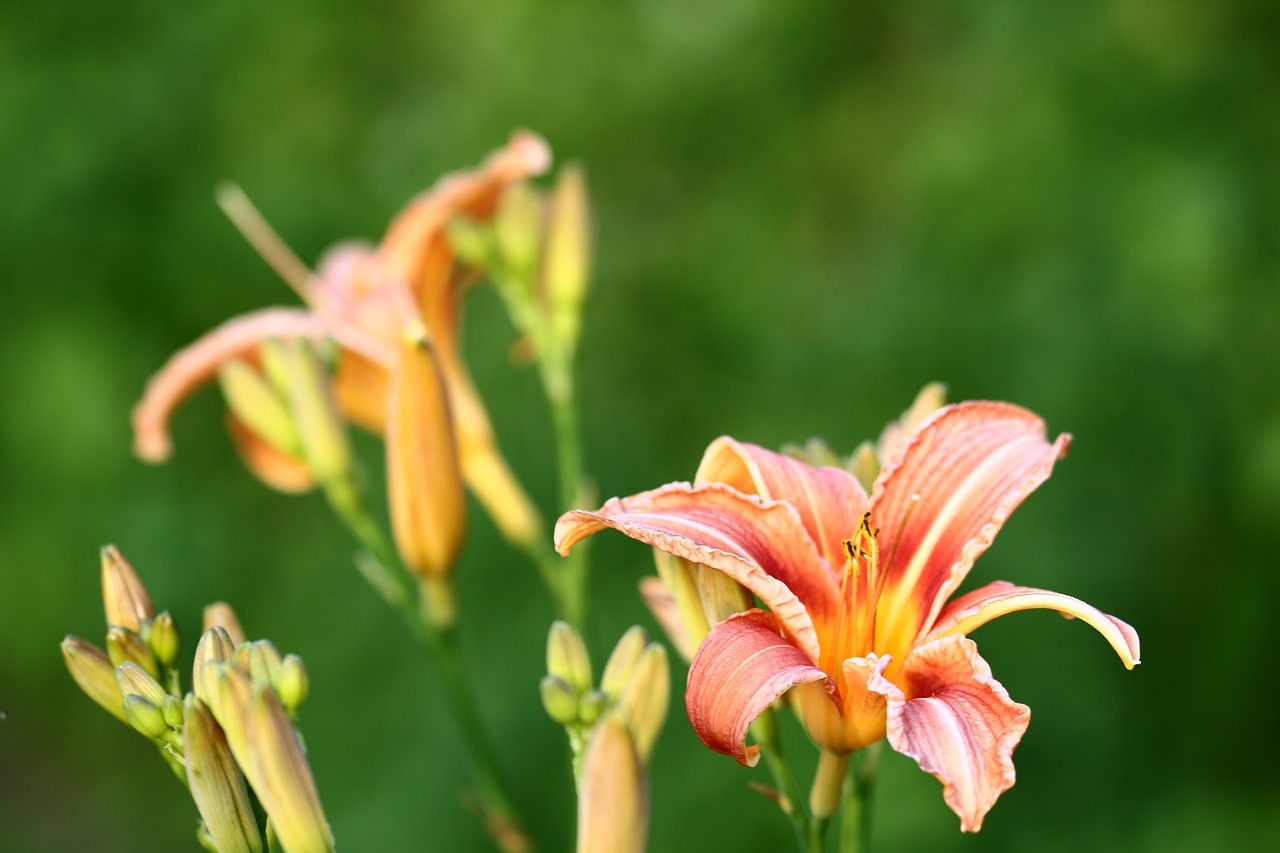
164 639
172 711
216 783
123 595
292 684
613 810
559 699
254 399
134 680
220 614
124 645
471 241
315 414
644 702
622 662
230 694
568 255
282 778
721 595
567 656
94 673
261 662
516 226
145 717
215 648
592 704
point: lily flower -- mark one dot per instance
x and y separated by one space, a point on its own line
858 590
358 298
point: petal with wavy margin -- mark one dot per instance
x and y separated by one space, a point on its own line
742 667
760 544
957 722
996 599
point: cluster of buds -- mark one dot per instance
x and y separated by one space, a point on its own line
612 730
235 727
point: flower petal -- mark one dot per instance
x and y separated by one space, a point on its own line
941 502
743 666
957 722
760 544
830 501
996 599
198 363
279 470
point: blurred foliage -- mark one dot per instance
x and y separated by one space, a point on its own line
804 213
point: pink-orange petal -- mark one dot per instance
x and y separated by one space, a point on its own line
742 667
996 599
277 469
830 501
940 504
957 722
198 364
760 544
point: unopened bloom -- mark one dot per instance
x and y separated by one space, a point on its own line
858 593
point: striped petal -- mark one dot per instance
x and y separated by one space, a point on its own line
941 502
830 501
957 722
996 599
760 544
743 666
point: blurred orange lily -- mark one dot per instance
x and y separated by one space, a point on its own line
363 297
859 618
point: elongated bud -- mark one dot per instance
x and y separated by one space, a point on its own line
681 579
146 718
622 662
230 695
320 428
643 703
255 400
215 648
292 684
567 656
124 645
216 783
517 226
568 255
262 662
591 706
95 674
172 711
134 681
164 639
613 803
471 242
283 778
220 613
123 595
559 699
721 595
428 507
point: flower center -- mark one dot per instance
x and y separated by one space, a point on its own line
860 589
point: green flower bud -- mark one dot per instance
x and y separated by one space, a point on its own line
215 648
123 595
145 717
643 704
559 699
568 255
216 783
95 674
321 431
622 662
292 684
165 640
592 704
517 226
172 711
136 681
123 645
567 656
262 662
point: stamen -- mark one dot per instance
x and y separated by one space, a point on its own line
882 576
255 228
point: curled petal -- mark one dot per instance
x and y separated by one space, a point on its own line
996 599
830 501
760 544
940 503
957 722
198 363
742 667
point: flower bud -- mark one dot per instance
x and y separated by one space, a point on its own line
220 613
134 681
164 640
292 684
145 717
263 662
216 783
559 699
123 595
230 693
681 579
622 662
214 648
643 704
567 657
172 711
592 704
568 251
613 805
470 241
94 673
721 596
255 400
517 226
124 645
321 431
282 777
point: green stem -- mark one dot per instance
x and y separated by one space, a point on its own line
561 391
855 818
766 733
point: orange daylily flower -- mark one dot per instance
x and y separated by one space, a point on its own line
859 620
363 297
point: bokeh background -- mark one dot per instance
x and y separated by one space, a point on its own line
804 212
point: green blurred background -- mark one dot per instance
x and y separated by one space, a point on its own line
804 213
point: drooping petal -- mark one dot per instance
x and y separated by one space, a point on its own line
982 605
830 501
957 722
197 364
858 720
941 502
743 666
760 544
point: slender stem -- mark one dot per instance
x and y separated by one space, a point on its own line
561 391
765 731
855 818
